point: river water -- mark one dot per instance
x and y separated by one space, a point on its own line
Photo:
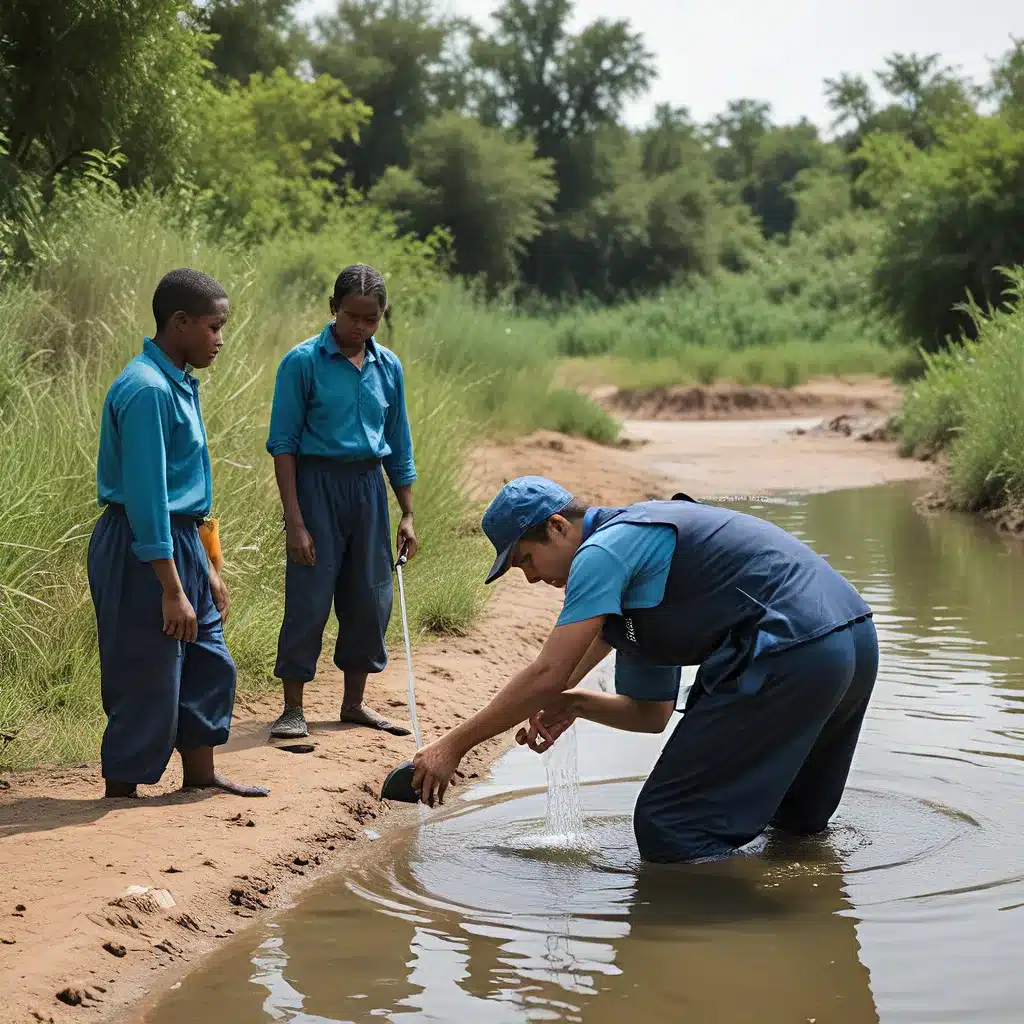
910 911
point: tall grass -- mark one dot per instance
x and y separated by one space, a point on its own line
502 363
67 331
933 409
969 402
804 309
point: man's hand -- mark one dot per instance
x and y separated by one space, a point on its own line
406 539
299 544
179 617
546 726
434 765
219 590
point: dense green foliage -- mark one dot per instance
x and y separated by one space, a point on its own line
263 156
507 139
956 218
803 308
461 174
255 37
85 75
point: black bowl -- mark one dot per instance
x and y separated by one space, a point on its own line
398 785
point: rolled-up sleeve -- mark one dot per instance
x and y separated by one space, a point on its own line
641 680
399 464
144 427
288 411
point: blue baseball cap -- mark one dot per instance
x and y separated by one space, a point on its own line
521 504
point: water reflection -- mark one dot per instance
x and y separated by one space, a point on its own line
911 911
665 943
743 940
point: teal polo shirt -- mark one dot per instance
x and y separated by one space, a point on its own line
153 456
326 406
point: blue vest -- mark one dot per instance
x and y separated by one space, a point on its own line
738 587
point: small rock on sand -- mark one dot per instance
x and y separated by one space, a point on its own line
162 898
76 995
115 949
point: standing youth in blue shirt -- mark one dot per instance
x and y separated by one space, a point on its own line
338 416
167 677
786 647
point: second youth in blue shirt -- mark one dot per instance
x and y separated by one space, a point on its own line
326 406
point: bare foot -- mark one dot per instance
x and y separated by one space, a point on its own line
121 791
226 785
363 715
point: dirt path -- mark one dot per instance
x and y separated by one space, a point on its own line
77 945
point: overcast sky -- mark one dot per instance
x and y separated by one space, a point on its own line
711 51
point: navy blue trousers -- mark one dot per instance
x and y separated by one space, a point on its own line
158 693
773 748
345 509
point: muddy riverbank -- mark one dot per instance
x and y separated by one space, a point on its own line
84 941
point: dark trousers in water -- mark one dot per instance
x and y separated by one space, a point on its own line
158 693
773 748
345 508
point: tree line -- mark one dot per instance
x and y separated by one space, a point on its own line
504 145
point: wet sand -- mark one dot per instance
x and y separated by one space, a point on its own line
68 858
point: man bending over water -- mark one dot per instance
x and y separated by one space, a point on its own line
786 647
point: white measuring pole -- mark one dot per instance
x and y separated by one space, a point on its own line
408 651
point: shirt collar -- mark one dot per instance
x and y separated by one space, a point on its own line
588 522
155 354
329 344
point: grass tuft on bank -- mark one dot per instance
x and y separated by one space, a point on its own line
968 404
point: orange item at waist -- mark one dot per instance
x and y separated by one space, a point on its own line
209 533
